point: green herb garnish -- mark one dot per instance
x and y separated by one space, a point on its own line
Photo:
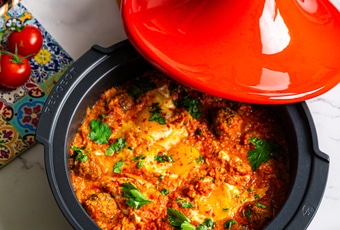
191 104
99 132
257 204
140 164
80 154
105 116
117 146
199 132
263 152
117 168
208 223
176 217
248 212
187 226
135 198
155 111
162 158
200 159
184 203
139 160
229 223
180 199
164 191
141 86
187 204
160 178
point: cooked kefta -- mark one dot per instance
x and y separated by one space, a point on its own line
155 154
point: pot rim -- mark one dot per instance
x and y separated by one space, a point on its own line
81 82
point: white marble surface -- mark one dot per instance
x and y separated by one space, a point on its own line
26 201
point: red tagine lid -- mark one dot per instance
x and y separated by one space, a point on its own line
260 51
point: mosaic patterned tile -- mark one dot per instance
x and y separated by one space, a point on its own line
11 143
6 5
20 108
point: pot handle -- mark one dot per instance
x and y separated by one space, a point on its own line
317 181
68 80
313 195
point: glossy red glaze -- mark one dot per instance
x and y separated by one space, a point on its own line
261 51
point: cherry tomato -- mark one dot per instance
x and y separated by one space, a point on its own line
14 70
27 41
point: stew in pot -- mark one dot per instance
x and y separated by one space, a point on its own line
155 154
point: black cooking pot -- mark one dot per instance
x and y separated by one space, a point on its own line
101 68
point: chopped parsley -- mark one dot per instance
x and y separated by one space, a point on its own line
156 115
99 132
117 168
263 152
229 223
176 217
250 190
200 159
248 212
184 203
164 191
180 199
135 198
141 86
257 204
208 223
191 104
187 204
160 178
104 116
198 132
162 158
187 226
80 154
122 105
139 160
140 164
117 146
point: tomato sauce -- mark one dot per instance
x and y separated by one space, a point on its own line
155 154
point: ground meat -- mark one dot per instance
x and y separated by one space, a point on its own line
201 187
227 123
178 150
90 169
103 209
256 214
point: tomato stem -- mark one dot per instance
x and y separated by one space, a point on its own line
15 56
16 27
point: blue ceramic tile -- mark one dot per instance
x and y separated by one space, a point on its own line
20 108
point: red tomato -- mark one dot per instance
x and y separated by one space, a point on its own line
14 70
28 41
